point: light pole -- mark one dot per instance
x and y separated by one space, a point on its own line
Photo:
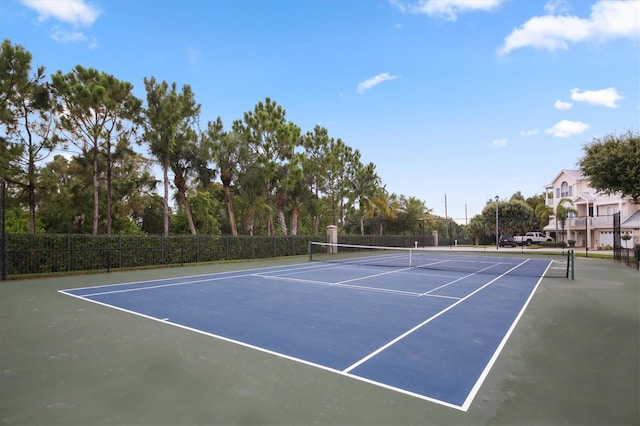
497 237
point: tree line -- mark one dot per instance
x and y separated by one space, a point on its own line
263 175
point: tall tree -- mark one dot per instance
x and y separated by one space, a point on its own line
169 120
28 124
613 164
271 140
363 188
314 164
387 207
228 151
251 198
15 65
293 191
340 159
96 111
63 199
132 188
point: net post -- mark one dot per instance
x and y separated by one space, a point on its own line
572 257
309 251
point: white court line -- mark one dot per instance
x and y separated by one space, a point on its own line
216 275
297 280
126 290
468 401
271 352
186 280
394 271
382 289
339 284
476 387
422 324
459 279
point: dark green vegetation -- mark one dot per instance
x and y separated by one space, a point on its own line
263 175
572 359
613 165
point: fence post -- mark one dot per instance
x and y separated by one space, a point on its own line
70 252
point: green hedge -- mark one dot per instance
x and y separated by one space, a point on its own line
55 253
555 244
60 253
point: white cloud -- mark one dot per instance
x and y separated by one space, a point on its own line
374 81
566 128
445 9
556 6
562 105
532 132
62 36
609 19
75 12
499 142
605 97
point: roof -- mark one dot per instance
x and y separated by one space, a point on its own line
574 174
633 221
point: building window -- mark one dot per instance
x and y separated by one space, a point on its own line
565 190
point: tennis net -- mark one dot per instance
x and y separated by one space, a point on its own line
471 262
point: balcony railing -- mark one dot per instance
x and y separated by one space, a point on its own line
594 222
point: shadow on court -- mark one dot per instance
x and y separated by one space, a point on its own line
572 359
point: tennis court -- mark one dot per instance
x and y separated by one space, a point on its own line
429 333
289 341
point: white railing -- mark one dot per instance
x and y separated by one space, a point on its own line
594 222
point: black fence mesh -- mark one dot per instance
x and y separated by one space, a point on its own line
56 253
627 256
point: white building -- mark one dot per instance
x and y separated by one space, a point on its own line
592 224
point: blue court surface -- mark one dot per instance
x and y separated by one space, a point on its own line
432 334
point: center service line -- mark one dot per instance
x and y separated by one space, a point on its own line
411 331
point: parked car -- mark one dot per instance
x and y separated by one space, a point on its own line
506 240
532 238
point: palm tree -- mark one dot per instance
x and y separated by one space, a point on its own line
363 188
562 213
542 213
387 206
227 151
476 228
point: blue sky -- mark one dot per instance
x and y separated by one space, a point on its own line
468 98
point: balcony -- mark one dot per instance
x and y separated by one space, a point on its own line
594 222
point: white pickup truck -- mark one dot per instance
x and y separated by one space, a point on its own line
531 238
